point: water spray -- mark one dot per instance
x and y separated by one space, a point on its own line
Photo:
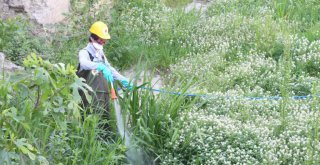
134 155
120 124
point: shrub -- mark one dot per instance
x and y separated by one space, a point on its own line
41 119
17 42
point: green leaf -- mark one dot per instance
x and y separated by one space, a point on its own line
23 149
80 85
30 147
7 157
43 160
175 135
32 156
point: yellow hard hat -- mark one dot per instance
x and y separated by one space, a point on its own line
100 29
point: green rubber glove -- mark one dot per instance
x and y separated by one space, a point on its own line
107 74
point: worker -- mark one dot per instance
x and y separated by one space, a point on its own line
93 60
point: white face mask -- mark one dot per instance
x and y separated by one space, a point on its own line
97 46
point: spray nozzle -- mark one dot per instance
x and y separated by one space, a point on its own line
113 93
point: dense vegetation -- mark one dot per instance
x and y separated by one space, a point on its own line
256 64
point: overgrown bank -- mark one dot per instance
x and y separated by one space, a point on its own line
237 50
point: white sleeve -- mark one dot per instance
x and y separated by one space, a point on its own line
85 61
116 75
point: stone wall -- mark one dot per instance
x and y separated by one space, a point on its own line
42 11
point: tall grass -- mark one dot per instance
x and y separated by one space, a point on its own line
151 116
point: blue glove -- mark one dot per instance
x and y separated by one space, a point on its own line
106 72
126 84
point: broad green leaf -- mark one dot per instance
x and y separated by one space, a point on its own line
31 155
43 160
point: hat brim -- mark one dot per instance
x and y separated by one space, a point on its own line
105 36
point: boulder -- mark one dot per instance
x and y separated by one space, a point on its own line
198 5
7 65
42 11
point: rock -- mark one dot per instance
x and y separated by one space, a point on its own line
42 11
7 65
197 5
